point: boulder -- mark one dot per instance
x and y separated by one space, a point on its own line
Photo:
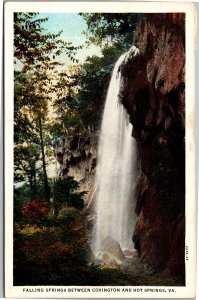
105 259
111 246
130 252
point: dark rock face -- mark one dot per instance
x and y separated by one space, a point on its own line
154 95
76 155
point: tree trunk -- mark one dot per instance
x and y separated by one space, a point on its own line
31 185
46 185
34 180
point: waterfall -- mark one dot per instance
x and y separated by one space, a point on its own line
115 170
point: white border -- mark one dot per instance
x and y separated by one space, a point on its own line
1 155
146 7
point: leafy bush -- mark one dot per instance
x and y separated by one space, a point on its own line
69 215
65 191
23 194
55 253
35 209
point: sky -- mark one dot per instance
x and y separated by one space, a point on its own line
72 25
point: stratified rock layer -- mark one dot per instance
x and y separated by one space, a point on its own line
154 95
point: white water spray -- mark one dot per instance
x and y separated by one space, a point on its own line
115 169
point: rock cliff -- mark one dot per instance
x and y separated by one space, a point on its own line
154 95
76 155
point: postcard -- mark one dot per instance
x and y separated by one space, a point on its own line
99 134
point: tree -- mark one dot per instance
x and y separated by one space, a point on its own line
94 84
81 100
32 107
82 92
66 104
111 28
33 44
77 94
26 168
65 192
35 52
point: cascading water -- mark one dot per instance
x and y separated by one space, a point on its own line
115 170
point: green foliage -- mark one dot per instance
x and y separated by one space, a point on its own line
65 192
36 50
33 43
79 92
26 192
83 89
69 215
94 82
23 193
84 92
48 249
26 168
21 196
111 28
65 103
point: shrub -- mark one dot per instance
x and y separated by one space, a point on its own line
65 191
34 209
57 253
69 214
